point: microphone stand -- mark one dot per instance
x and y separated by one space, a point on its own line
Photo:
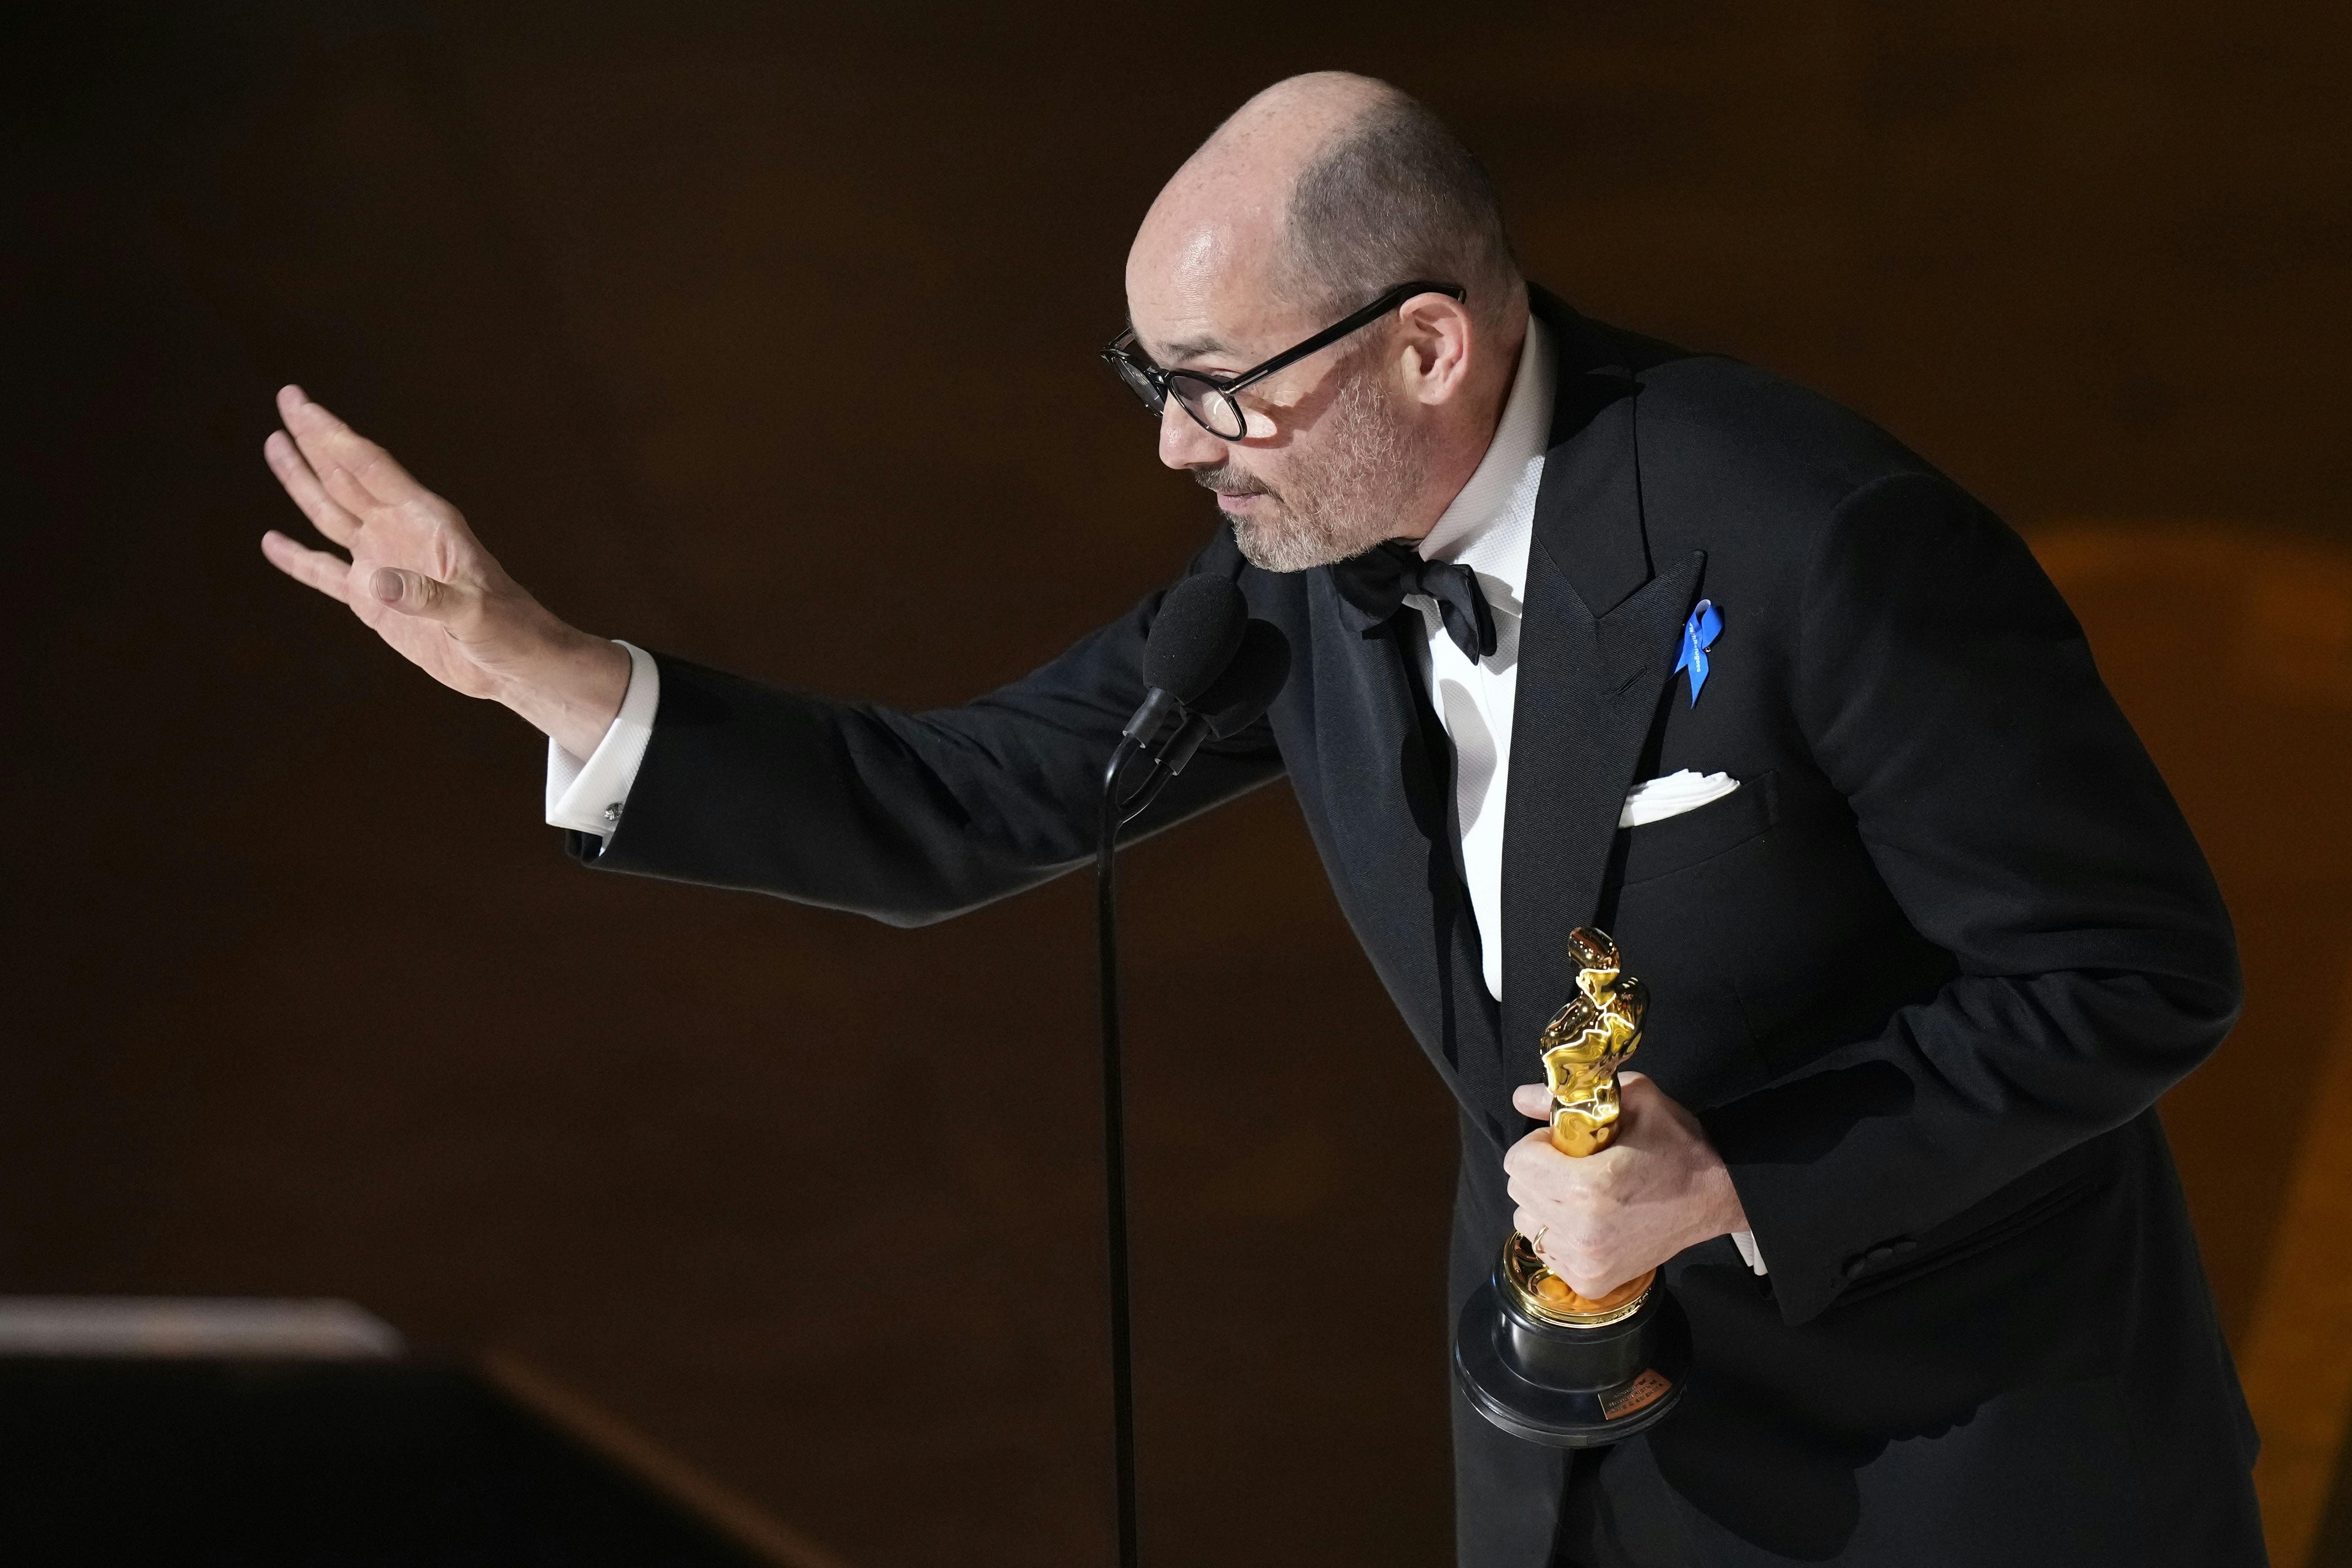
1167 756
1122 1376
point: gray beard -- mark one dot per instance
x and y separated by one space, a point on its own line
1346 496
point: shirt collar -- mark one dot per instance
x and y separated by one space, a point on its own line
1488 524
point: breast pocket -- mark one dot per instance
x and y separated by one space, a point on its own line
1677 842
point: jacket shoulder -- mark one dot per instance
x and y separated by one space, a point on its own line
1723 444
1712 409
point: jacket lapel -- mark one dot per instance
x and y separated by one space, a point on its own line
1384 788
1596 651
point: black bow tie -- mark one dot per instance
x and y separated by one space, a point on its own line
1374 585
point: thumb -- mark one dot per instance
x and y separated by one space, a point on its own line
415 594
1532 1101
1634 1091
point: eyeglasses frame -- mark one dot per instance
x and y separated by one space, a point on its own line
1120 354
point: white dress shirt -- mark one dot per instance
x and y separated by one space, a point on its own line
1488 529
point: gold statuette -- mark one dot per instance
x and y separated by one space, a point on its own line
1534 1357
1583 1045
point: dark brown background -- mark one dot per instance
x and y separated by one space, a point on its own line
764 335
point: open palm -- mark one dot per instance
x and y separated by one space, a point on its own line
419 579
417 576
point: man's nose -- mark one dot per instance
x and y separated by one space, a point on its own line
1183 443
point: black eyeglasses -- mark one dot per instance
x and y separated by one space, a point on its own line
1209 399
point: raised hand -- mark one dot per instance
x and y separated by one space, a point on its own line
418 578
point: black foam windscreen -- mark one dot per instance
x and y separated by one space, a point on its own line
1195 636
1249 685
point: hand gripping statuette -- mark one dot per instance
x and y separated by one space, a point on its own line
1535 1358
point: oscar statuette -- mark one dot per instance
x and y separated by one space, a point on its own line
1535 1358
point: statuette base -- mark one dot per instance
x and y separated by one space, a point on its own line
1569 1386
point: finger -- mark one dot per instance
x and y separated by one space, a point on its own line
1531 1154
1586 1283
354 469
415 594
1531 1194
331 575
1635 1095
286 461
1532 1101
1565 1253
1649 1113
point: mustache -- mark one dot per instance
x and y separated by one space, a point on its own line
1228 480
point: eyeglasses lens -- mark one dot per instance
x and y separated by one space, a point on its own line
1138 383
1215 409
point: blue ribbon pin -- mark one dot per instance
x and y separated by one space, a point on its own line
1706 624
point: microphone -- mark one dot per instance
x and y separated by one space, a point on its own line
1197 631
1235 700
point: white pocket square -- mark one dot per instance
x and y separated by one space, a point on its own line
1654 799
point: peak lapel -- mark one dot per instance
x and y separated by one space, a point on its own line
1596 651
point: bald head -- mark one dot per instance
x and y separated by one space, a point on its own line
1320 195
1314 197
1279 134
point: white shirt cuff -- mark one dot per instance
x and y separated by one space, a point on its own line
1749 1253
587 797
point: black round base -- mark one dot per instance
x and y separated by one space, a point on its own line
1572 1388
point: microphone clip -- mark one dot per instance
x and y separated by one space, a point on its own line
1159 705
1164 733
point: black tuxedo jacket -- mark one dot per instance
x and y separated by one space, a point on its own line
1923 975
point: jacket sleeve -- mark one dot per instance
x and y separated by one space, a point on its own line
907 817
1950 695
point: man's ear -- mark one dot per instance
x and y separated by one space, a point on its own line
1436 345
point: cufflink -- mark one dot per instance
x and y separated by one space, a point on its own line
613 815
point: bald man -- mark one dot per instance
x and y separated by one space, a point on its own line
1586 630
